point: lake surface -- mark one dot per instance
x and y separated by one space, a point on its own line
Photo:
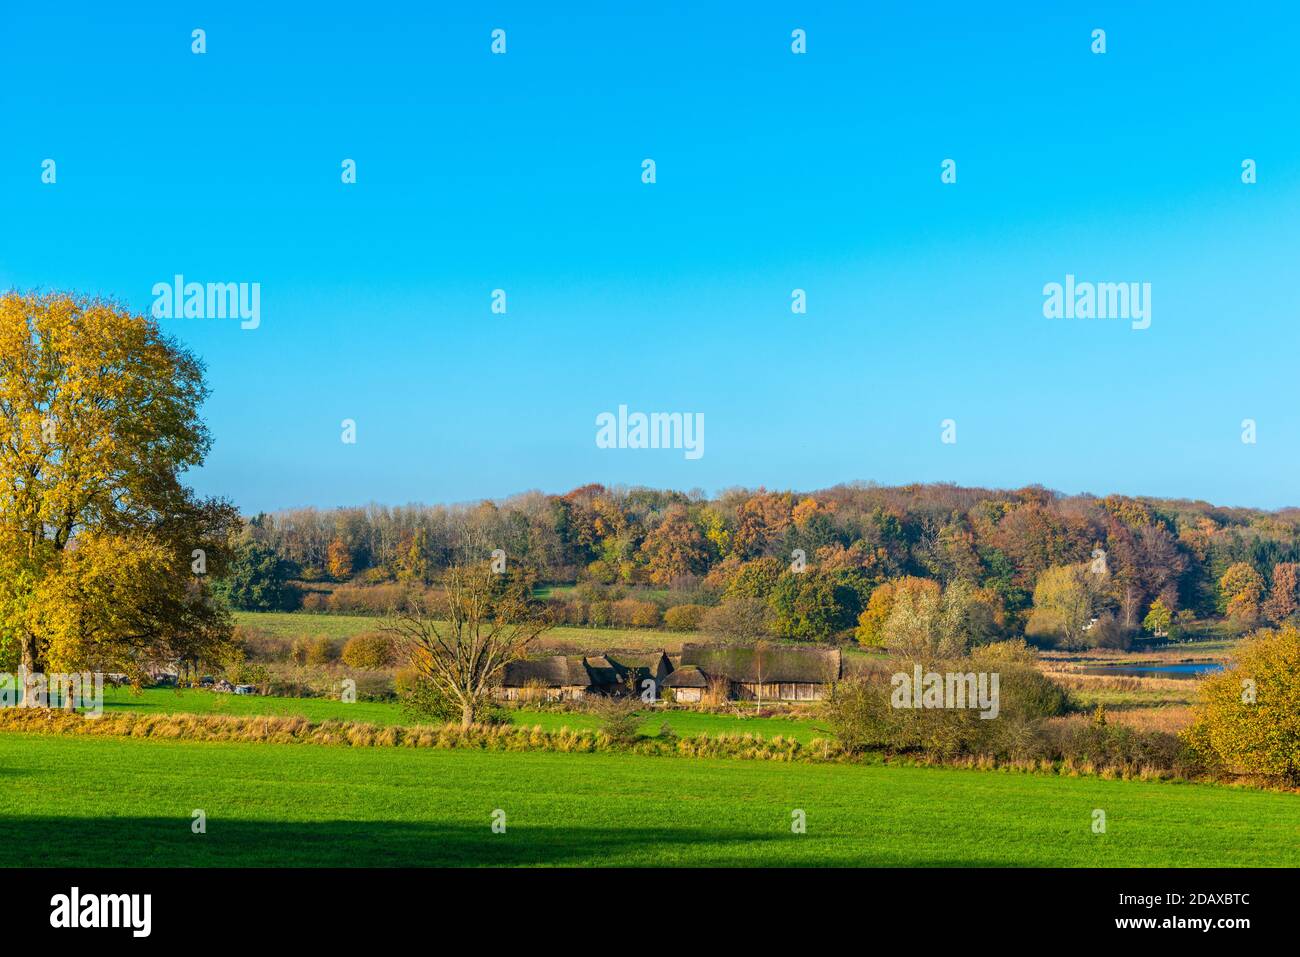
1195 669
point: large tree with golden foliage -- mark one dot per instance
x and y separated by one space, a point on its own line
674 548
1241 588
104 552
1248 718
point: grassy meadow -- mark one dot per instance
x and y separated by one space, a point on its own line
129 801
294 624
683 723
78 801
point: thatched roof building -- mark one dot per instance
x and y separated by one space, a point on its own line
551 677
686 684
572 676
687 676
766 670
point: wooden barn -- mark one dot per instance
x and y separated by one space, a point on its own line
769 671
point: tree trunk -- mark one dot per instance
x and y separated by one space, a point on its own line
27 698
467 714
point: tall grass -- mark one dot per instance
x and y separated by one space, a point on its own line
499 737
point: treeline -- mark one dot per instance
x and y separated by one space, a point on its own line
1069 570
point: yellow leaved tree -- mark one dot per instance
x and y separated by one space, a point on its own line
105 554
1248 718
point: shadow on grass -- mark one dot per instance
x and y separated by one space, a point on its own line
169 842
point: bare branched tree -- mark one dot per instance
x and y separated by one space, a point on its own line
462 642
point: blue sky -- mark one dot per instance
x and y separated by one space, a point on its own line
775 172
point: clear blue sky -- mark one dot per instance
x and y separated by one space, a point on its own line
775 171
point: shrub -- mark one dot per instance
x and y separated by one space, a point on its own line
1083 742
568 612
421 700
315 602
1026 692
858 713
862 714
1015 650
646 615
369 651
599 614
618 718
260 645
370 686
248 673
589 591
298 649
620 612
684 617
321 650
369 599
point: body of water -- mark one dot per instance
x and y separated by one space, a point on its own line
1195 669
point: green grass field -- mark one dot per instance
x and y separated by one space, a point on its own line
86 801
293 624
683 723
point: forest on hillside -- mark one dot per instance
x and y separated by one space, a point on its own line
1064 570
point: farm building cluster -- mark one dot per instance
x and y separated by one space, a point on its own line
699 673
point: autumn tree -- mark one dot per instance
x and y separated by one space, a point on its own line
1145 563
338 560
760 522
873 619
1066 600
461 645
716 531
413 557
674 548
1284 599
1248 718
1240 589
806 511
1158 618
754 579
105 555
927 624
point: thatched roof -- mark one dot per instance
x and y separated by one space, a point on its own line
769 664
553 671
687 676
602 670
566 671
